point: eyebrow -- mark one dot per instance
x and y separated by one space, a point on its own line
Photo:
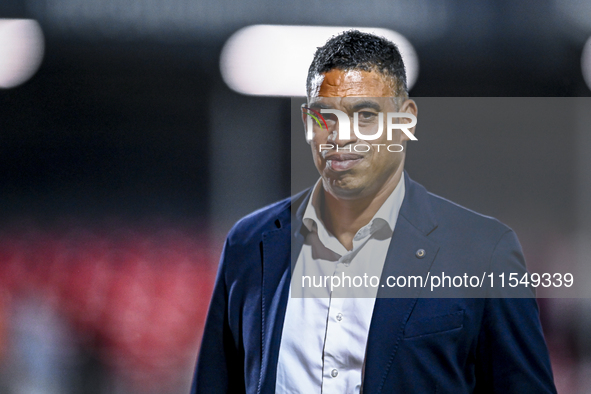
366 104
320 105
356 107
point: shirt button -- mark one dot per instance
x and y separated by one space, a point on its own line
339 316
334 373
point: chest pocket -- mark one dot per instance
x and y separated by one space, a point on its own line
434 325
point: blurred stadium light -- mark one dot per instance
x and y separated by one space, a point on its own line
273 60
586 62
21 50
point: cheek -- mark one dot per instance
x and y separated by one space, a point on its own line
396 136
383 160
317 157
320 137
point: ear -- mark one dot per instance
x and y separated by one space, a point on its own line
305 121
409 106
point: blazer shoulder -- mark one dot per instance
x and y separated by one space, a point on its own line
253 225
459 219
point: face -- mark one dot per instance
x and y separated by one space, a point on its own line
357 167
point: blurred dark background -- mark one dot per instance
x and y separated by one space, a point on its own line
120 170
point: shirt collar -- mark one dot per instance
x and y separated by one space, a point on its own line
387 213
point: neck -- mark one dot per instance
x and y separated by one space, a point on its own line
344 217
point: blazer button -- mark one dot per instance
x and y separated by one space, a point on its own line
421 253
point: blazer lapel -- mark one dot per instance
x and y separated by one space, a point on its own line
279 247
394 305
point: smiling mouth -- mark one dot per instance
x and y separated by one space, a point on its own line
342 162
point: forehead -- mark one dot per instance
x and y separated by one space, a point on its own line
354 83
353 89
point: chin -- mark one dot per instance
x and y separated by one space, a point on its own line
346 191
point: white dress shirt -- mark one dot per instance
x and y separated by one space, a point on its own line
325 332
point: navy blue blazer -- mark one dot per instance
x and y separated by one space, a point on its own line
415 344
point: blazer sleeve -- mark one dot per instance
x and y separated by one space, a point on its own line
512 356
219 367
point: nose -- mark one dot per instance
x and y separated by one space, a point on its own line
340 137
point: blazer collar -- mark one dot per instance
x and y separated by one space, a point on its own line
415 208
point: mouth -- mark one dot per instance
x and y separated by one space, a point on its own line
343 161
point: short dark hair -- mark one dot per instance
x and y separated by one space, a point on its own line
353 49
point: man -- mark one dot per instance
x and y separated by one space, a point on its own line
365 216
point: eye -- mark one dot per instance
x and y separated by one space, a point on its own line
367 115
330 118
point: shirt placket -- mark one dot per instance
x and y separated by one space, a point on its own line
335 354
